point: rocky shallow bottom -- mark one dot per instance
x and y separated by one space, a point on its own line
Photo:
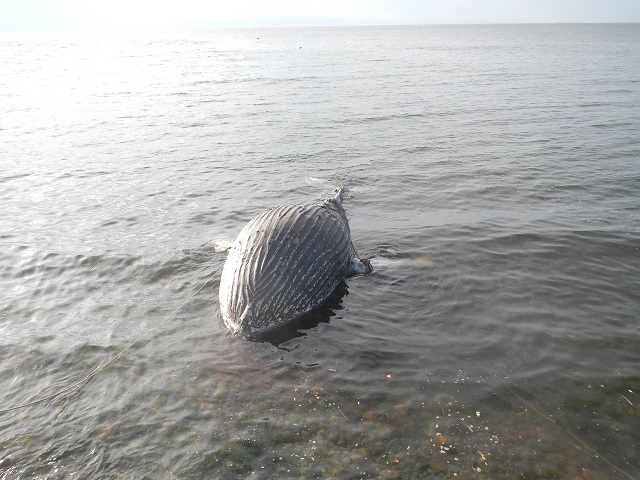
327 434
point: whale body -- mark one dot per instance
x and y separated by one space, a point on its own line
285 262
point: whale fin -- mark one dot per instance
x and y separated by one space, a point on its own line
360 267
221 244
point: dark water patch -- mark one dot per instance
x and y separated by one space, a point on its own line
211 217
189 261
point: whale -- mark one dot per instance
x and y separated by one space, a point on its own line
285 262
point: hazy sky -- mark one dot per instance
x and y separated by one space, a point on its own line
108 14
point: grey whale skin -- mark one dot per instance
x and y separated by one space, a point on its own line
285 262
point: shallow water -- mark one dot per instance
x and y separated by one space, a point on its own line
495 173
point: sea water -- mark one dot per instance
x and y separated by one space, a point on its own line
495 187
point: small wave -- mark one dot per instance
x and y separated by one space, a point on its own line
381 118
317 181
14 177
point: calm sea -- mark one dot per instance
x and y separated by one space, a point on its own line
495 175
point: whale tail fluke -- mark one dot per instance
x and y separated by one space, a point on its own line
338 195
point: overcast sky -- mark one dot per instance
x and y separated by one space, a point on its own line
109 14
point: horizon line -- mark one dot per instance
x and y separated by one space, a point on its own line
196 26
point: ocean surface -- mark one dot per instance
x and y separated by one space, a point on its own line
495 187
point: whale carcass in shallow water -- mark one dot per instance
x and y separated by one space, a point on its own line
285 262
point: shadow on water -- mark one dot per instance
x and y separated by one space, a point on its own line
299 326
